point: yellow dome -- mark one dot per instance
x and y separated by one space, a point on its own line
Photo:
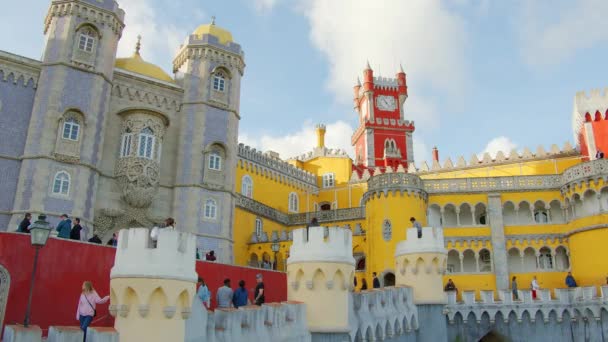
222 35
137 65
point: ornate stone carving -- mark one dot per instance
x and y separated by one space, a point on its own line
143 309
387 230
110 220
138 177
169 311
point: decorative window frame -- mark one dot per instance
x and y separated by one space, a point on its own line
258 227
214 161
293 203
85 57
247 186
219 85
210 209
67 149
328 180
146 140
55 178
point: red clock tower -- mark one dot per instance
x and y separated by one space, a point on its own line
383 137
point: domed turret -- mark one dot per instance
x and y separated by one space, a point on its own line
137 65
223 35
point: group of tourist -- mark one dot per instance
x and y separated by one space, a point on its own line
226 298
65 229
534 286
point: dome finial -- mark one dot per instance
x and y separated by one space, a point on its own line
212 20
138 45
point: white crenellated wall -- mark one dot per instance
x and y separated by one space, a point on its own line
336 246
173 258
431 242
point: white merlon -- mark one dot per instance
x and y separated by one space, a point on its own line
583 104
386 82
173 258
321 245
430 242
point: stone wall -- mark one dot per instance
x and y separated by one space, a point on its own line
576 314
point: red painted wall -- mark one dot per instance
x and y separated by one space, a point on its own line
63 265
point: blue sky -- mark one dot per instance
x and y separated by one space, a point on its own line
482 75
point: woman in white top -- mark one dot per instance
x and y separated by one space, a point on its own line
534 286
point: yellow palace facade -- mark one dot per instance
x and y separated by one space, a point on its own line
536 213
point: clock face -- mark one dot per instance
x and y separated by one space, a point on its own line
384 102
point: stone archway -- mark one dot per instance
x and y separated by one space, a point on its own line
5 284
388 279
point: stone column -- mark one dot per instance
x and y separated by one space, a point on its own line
457 210
420 264
499 246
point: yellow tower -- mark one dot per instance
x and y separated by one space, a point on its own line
390 201
320 135
320 272
151 288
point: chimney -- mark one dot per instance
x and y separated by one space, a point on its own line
435 154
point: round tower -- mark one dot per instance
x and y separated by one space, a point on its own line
390 201
151 288
320 272
420 264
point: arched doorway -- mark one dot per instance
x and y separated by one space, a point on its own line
388 279
324 206
5 283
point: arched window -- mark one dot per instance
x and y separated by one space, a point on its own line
146 143
545 260
540 213
219 81
71 128
86 40
328 180
294 203
126 143
247 186
61 183
259 227
215 161
211 209
485 261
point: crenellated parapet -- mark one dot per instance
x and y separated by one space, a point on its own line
20 70
381 184
596 101
384 314
173 258
279 322
274 168
501 158
317 244
105 13
581 303
152 285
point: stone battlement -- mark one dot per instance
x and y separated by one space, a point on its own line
431 242
576 303
381 314
173 258
279 322
385 83
322 245
284 168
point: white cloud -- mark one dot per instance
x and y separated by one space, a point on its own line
426 37
553 31
337 136
501 143
160 39
263 6
290 145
